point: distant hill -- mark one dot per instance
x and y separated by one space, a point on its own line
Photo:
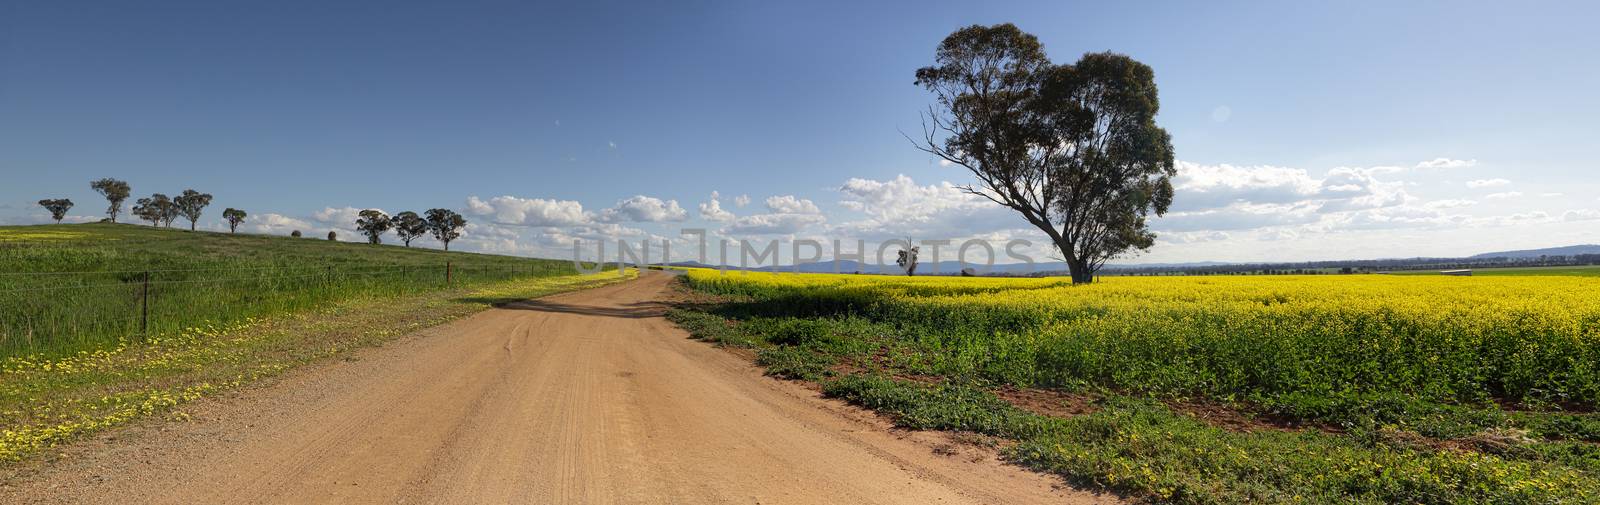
1548 251
943 267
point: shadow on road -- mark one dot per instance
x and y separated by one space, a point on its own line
634 310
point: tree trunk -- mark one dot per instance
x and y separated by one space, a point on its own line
1077 267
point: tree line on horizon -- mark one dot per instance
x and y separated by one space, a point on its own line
161 210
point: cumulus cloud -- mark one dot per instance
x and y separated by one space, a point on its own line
1450 204
1231 197
340 217
773 224
529 211
644 209
1194 237
901 199
787 215
275 224
1504 196
1214 186
1443 163
901 207
1239 216
1581 215
711 210
1487 183
741 200
789 204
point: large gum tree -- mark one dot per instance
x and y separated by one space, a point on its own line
1074 149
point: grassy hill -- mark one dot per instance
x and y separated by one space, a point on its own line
65 288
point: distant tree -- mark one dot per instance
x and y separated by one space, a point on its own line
446 225
295 234
58 207
373 223
169 211
408 225
908 260
1073 148
115 192
332 235
157 209
190 203
234 217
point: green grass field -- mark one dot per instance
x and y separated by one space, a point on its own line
1586 271
67 288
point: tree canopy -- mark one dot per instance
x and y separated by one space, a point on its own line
408 225
158 209
446 225
115 192
190 204
1072 148
234 217
58 207
373 223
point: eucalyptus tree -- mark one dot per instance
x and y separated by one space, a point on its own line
58 207
1074 149
234 217
373 223
446 225
408 225
115 192
190 204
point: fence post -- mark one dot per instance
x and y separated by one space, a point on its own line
144 306
447 273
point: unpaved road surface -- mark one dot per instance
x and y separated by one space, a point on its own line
586 397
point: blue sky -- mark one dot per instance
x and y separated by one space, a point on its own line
1349 130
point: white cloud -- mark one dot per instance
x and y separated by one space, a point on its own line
787 215
901 199
789 204
275 224
644 209
711 210
773 224
344 217
1487 183
529 211
1449 204
1194 237
1214 186
899 207
1443 163
1581 215
1504 196
741 200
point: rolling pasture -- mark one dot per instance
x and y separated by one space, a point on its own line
68 288
1218 389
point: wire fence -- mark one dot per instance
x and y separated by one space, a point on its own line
51 312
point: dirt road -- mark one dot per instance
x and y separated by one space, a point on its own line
587 397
